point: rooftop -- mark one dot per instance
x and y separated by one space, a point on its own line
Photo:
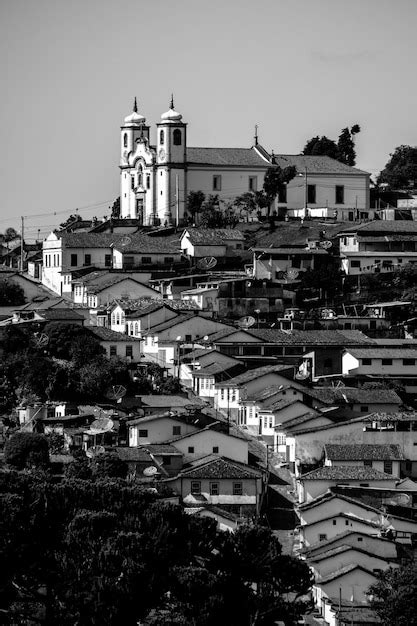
363 452
88 240
312 337
139 243
106 334
213 236
220 467
226 157
346 472
350 395
316 164
250 375
383 353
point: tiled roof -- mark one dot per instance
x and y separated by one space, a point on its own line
220 467
383 353
331 395
163 449
154 330
316 164
213 236
140 243
312 337
364 451
321 545
331 495
291 251
344 548
342 572
346 472
134 454
165 400
89 240
145 309
226 157
383 227
246 377
398 416
60 314
300 419
106 334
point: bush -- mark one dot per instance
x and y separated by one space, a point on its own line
26 450
108 465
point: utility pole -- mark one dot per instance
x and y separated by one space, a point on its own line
305 191
22 236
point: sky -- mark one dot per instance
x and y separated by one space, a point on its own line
298 68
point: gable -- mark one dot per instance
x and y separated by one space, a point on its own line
240 336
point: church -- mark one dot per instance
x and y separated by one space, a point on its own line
156 178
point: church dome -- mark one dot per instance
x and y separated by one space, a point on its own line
135 118
171 115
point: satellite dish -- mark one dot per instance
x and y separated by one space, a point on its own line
291 273
151 470
325 244
125 241
41 340
94 451
100 426
207 263
246 322
116 392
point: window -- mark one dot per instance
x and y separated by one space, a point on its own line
237 489
143 432
146 260
125 140
74 260
214 489
409 361
129 351
188 337
340 194
107 260
311 194
346 522
355 264
364 409
322 537
222 394
195 487
176 430
334 522
87 259
253 183
360 539
113 350
386 361
167 460
169 259
148 181
217 183
215 449
388 467
161 138
176 136
367 463
132 182
366 361
190 449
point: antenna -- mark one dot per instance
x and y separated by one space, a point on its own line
207 263
116 392
151 470
291 273
41 340
246 322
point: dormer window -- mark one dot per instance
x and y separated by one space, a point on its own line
161 137
177 137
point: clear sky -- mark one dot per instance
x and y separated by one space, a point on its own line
69 70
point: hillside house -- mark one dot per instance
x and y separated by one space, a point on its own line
384 458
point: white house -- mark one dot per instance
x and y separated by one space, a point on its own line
384 458
398 363
211 440
118 345
98 289
156 175
211 242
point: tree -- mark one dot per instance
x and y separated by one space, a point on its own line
195 201
11 294
26 450
108 465
214 215
346 145
73 219
9 235
115 210
275 179
343 150
394 596
321 146
401 170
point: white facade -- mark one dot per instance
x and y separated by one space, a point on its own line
209 441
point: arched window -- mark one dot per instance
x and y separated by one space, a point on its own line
177 137
161 137
125 140
132 182
148 181
140 176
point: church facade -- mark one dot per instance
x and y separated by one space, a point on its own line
157 177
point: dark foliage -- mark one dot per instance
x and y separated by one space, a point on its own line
394 596
11 294
107 553
401 170
343 150
26 450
